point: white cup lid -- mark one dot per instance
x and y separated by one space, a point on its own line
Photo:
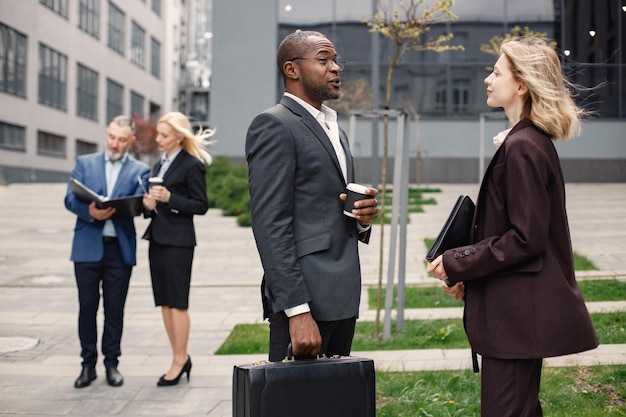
357 188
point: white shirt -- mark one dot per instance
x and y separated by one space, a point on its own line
166 161
327 118
111 172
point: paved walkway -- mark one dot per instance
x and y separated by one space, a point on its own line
39 350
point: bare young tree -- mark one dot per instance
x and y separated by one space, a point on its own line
406 24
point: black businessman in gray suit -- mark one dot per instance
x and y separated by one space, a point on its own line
299 164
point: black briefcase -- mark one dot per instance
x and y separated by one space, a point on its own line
325 387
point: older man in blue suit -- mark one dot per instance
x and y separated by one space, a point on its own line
104 247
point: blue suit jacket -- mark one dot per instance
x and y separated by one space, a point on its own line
89 169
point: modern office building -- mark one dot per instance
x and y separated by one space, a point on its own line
442 93
68 66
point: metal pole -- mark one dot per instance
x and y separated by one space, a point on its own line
375 83
352 131
403 214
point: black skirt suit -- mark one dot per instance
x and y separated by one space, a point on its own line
171 232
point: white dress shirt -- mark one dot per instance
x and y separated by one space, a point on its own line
111 172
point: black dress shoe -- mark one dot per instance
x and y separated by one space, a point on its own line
86 376
114 378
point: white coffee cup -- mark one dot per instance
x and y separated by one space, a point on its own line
355 192
152 181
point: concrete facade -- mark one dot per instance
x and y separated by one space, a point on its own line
43 25
244 69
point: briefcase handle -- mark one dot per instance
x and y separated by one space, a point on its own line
290 358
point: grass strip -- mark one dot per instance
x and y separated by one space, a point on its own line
433 297
565 392
417 334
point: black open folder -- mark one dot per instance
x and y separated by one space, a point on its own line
456 230
124 206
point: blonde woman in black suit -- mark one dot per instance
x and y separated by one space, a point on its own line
171 233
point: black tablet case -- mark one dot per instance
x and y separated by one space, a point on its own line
456 230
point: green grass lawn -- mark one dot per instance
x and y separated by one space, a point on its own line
565 392
431 297
417 334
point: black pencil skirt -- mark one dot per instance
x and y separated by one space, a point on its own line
170 269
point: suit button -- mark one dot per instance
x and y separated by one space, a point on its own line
475 227
467 252
456 255
473 250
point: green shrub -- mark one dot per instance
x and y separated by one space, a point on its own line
227 188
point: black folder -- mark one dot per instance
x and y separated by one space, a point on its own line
124 206
456 230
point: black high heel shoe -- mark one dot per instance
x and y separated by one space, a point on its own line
168 382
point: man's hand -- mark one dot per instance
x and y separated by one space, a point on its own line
100 214
305 335
366 210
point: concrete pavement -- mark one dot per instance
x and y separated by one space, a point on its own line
39 349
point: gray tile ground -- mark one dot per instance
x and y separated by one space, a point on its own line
38 305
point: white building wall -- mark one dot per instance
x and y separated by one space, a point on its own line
42 25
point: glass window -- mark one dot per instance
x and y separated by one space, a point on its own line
89 17
59 6
52 78
155 58
12 137
138 47
12 61
136 104
115 99
117 21
87 93
154 111
84 147
49 144
460 95
589 35
156 6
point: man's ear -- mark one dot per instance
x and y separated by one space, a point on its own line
290 70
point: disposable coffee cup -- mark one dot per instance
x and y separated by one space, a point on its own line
355 193
152 181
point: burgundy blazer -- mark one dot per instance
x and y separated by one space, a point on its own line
521 297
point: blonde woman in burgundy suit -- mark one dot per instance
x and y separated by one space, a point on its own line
522 303
171 231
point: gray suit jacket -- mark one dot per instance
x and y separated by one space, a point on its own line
308 247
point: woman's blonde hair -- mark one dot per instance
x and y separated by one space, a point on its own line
549 104
194 144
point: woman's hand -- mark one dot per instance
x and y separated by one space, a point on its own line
160 193
436 269
457 291
149 203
